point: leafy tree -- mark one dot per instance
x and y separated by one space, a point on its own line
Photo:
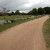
41 11
5 11
47 9
9 14
29 13
12 13
35 11
23 13
17 12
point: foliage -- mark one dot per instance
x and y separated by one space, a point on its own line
41 11
47 9
35 11
12 13
23 13
5 11
30 13
17 12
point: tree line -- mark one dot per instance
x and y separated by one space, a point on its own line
40 11
34 11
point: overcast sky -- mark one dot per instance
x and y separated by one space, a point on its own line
23 5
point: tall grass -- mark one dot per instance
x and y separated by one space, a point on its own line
46 31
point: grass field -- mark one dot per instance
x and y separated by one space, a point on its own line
46 31
6 26
12 17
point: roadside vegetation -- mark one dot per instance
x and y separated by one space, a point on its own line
6 26
9 19
46 31
13 17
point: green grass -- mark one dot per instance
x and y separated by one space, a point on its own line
46 31
6 26
13 17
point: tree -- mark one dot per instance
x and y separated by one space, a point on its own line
47 9
12 13
9 14
41 11
5 11
17 12
29 13
35 11
23 13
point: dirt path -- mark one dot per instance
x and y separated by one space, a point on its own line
26 36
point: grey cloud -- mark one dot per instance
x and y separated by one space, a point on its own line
13 5
41 4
